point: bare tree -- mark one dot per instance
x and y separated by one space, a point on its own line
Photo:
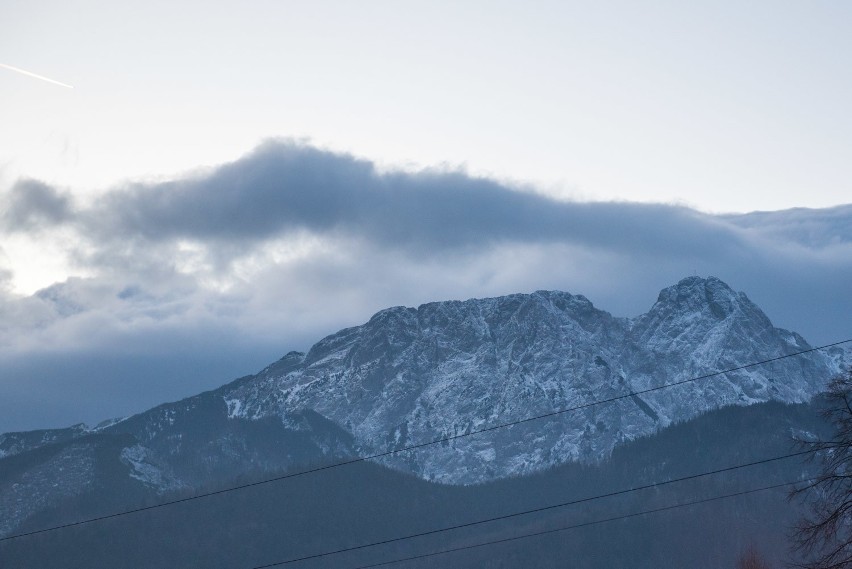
824 535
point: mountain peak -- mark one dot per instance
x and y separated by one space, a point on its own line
698 294
695 282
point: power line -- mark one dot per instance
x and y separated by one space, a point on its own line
532 511
414 446
576 526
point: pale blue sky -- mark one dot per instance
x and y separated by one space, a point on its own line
725 106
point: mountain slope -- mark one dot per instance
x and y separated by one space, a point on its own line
181 446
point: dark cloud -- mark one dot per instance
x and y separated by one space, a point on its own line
60 388
283 188
31 204
228 269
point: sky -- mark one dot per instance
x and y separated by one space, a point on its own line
226 182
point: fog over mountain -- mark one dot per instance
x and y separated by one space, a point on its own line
183 284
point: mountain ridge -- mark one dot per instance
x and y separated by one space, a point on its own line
431 372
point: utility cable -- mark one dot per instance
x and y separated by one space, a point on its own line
527 512
414 446
576 526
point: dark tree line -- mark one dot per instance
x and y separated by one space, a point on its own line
824 535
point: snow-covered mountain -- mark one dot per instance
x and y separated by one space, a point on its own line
411 375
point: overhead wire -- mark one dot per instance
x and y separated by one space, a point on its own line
530 511
414 446
580 525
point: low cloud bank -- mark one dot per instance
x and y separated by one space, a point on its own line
234 267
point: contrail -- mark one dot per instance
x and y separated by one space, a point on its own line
35 75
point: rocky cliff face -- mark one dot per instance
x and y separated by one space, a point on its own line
411 375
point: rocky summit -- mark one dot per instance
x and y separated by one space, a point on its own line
413 375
